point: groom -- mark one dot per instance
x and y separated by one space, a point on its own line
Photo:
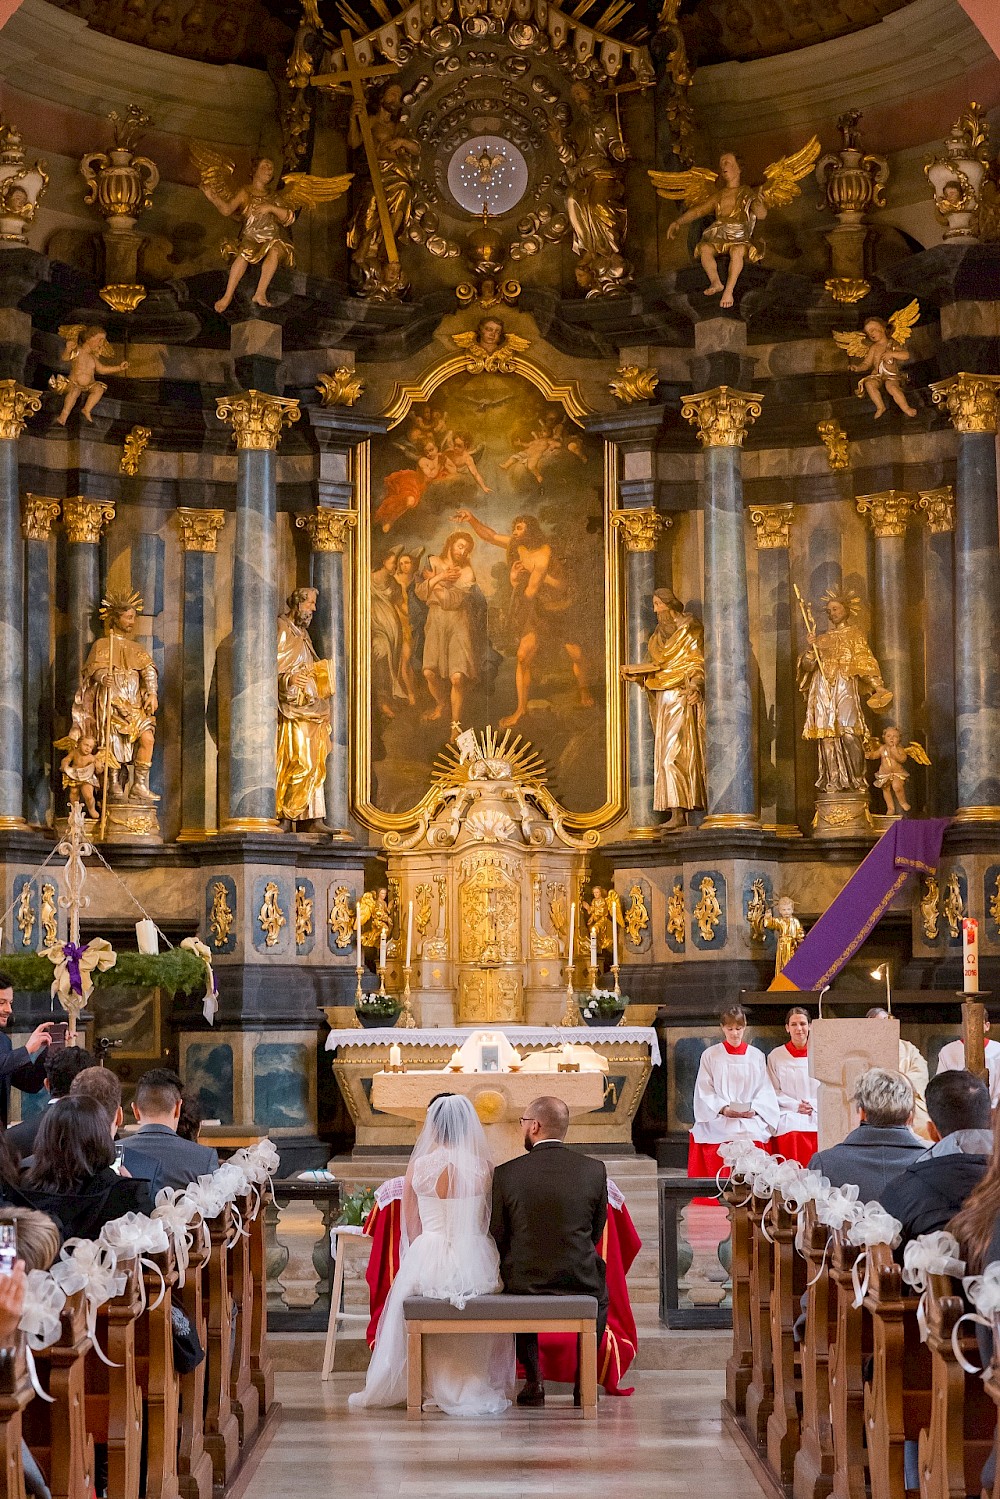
549 1211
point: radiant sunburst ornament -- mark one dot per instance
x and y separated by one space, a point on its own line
846 597
118 600
490 756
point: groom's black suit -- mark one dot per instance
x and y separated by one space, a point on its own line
549 1211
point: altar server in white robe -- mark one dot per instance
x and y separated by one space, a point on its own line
733 1097
797 1092
951 1058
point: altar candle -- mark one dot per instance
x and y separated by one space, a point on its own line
593 948
357 928
409 932
381 950
145 936
572 933
395 1055
970 955
614 939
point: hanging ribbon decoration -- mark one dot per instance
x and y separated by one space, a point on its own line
210 1002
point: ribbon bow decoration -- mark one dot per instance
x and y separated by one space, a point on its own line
91 1267
40 1321
179 1215
984 1293
932 1254
210 1002
136 1236
73 967
873 1225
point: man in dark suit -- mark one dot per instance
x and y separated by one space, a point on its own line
22 1066
61 1064
157 1108
101 1084
549 1211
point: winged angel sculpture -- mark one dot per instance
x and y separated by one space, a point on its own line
881 349
737 209
267 213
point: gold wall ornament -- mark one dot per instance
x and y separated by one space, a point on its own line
17 403
636 916
847 289
120 184
889 511
199 528
756 912
422 909
631 384
676 927
220 917
929 912
953 907
123 296
25 915
257 419
48 917
303 916
708 913
852 181
994 904
541 944
37 515
489 349
271 918
21 187
938 506
135 446
341 922
437 946
343 388
328 527
558 909
834 439
641 527
86 519
771 524
972 401
722 415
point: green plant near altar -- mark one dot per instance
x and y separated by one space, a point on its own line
378 1006
603 1005
178 971
355 1207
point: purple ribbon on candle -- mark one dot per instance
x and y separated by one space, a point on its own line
73 952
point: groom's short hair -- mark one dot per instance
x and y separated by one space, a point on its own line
552 1114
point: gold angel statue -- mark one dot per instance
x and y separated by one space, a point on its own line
881 349
84 349
267 212
891 778
737 209
489 348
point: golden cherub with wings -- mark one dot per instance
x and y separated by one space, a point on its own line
265 212
490 349
881 352
736 208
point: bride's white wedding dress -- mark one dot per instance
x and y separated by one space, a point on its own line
451 1258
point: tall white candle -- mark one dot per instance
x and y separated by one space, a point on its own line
409 932
572 934
381 950
593 947
614 939
970 955
357 927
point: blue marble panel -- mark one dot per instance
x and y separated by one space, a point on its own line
17 937
212 936
281 1078
273 888
671 882
309 892
721 932
770 938
208 1072
645 942
963 885
991 902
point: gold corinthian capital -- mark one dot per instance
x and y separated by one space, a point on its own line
17 403
328 527
256 418
889 512
723 416
86 519
640 528
971 401
938 506
37 515
771 524
200 528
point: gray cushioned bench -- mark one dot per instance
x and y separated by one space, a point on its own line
425 1317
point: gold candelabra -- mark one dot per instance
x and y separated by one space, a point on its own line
407 1019
571 1014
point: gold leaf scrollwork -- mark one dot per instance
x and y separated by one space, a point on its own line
422 909
271 918
37 516
938 506
929 908
135 446
200 528
771 524
220 920
994 904
847 289
303 916
636 916
341 921
342 388
708 913
17 403
971 401
257 419
723 416
558 909
631 384
676 927
953 907
25 915
48 914
834 439
328 527
756 910
641 527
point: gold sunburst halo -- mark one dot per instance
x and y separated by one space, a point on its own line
526 764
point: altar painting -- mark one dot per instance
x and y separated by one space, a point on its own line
492 594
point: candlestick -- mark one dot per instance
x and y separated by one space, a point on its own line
970 955
357 927
358 991
381 990
614 941
614 970
592 977
409 935
407 1020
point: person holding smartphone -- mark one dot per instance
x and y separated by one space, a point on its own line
22 1067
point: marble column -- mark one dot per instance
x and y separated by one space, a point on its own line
328 530
257 420
890 513
37 517
199 756
938 509
775 657
723 416
640 526
972 402
17 403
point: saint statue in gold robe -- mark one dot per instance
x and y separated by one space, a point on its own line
304 691
116 702
832 672
674 679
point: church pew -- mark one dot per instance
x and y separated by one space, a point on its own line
991 1385
113 1399
194 1462
760 1390
962 1419
15 1393
158 1382
222 1432
261 1367
813 1467
57 1434
789 1282
242 1390
897 1396
736 1195
852 1343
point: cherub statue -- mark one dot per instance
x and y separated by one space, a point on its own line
890 776
84 350
789 929
265 210
80 770
737 209
490 349
881 352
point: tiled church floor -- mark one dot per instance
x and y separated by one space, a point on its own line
667 1439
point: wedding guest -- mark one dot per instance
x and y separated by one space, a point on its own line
157 1109
101 1084
914 1069
62 1064
37 1246
952 1056
71 1176
930 1191
20 1066
796 1091
190 1119
733 1097
977 1229
883 1144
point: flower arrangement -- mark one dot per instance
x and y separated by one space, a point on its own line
603 1007
378 1009
355 1207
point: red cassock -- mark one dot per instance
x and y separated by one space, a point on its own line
618 1248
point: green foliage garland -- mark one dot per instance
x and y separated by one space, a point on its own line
177 971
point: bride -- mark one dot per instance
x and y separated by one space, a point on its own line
446 1252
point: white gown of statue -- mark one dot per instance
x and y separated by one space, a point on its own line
449 1256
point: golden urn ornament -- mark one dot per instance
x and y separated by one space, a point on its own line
21 187
957 177
121 184
852 183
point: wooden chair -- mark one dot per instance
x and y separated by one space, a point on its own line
789 1282
740 1362
960 1433
897 1397
760 1390
812 1476
341 1235
57 1434
222 1432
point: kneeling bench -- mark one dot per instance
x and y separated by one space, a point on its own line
425 1317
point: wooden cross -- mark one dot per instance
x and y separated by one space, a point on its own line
354 77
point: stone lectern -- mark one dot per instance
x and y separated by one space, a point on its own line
839 1051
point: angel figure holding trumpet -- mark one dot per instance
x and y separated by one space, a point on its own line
267 213
880 349
737 209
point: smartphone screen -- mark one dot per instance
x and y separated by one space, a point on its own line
8 1248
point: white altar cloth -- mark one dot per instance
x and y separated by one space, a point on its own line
520 1035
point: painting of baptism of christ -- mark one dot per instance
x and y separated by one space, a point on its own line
487 551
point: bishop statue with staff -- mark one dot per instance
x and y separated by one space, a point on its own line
116 702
